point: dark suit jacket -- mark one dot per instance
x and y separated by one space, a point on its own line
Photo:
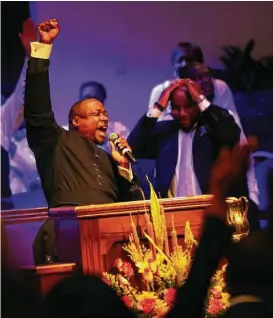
216 128
73 170
159 141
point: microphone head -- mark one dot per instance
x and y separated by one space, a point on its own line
113 137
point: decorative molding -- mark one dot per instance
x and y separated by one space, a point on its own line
26 215
127 208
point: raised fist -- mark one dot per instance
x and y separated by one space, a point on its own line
48 31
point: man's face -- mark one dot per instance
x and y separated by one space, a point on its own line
92 121
181 56
204 78
184 110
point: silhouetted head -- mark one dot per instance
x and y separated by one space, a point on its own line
250 264
184 109
93 89
82 296
90 119
201 74
185 53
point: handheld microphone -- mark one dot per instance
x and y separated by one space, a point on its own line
125 151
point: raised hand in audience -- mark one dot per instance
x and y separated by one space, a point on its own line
231 166
29 34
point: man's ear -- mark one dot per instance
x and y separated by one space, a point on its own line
75 121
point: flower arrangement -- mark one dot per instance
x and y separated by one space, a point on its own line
218 298
147 282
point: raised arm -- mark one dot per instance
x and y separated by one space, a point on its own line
230 167
12 109
155 94
219 122
42 129
225 100
143 139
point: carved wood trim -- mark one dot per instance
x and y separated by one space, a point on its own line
90 240
51 269
25 215
127 208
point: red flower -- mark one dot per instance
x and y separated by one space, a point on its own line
169 296
127 269
216 305
147 306
118 264
127 301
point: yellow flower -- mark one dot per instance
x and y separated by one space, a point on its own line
141 266
149 263
145 295
148 275
161 308
218 289
225 299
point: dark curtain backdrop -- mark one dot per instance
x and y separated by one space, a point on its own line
12 54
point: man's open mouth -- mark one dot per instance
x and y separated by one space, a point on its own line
102 130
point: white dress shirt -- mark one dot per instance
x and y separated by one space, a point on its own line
184 182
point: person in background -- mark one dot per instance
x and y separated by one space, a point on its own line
93 89
11 121
186 148
188 62
249 270
263 164
181 56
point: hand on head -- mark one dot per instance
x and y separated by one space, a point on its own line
193 88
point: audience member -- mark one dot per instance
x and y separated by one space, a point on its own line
83 296
249 276
182 55
186 148
18 168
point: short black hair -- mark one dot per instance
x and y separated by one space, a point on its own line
195 54
73 110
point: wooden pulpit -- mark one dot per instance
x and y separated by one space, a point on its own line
92 236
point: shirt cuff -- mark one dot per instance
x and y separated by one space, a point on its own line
40 50
153 113
203 105
126 173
